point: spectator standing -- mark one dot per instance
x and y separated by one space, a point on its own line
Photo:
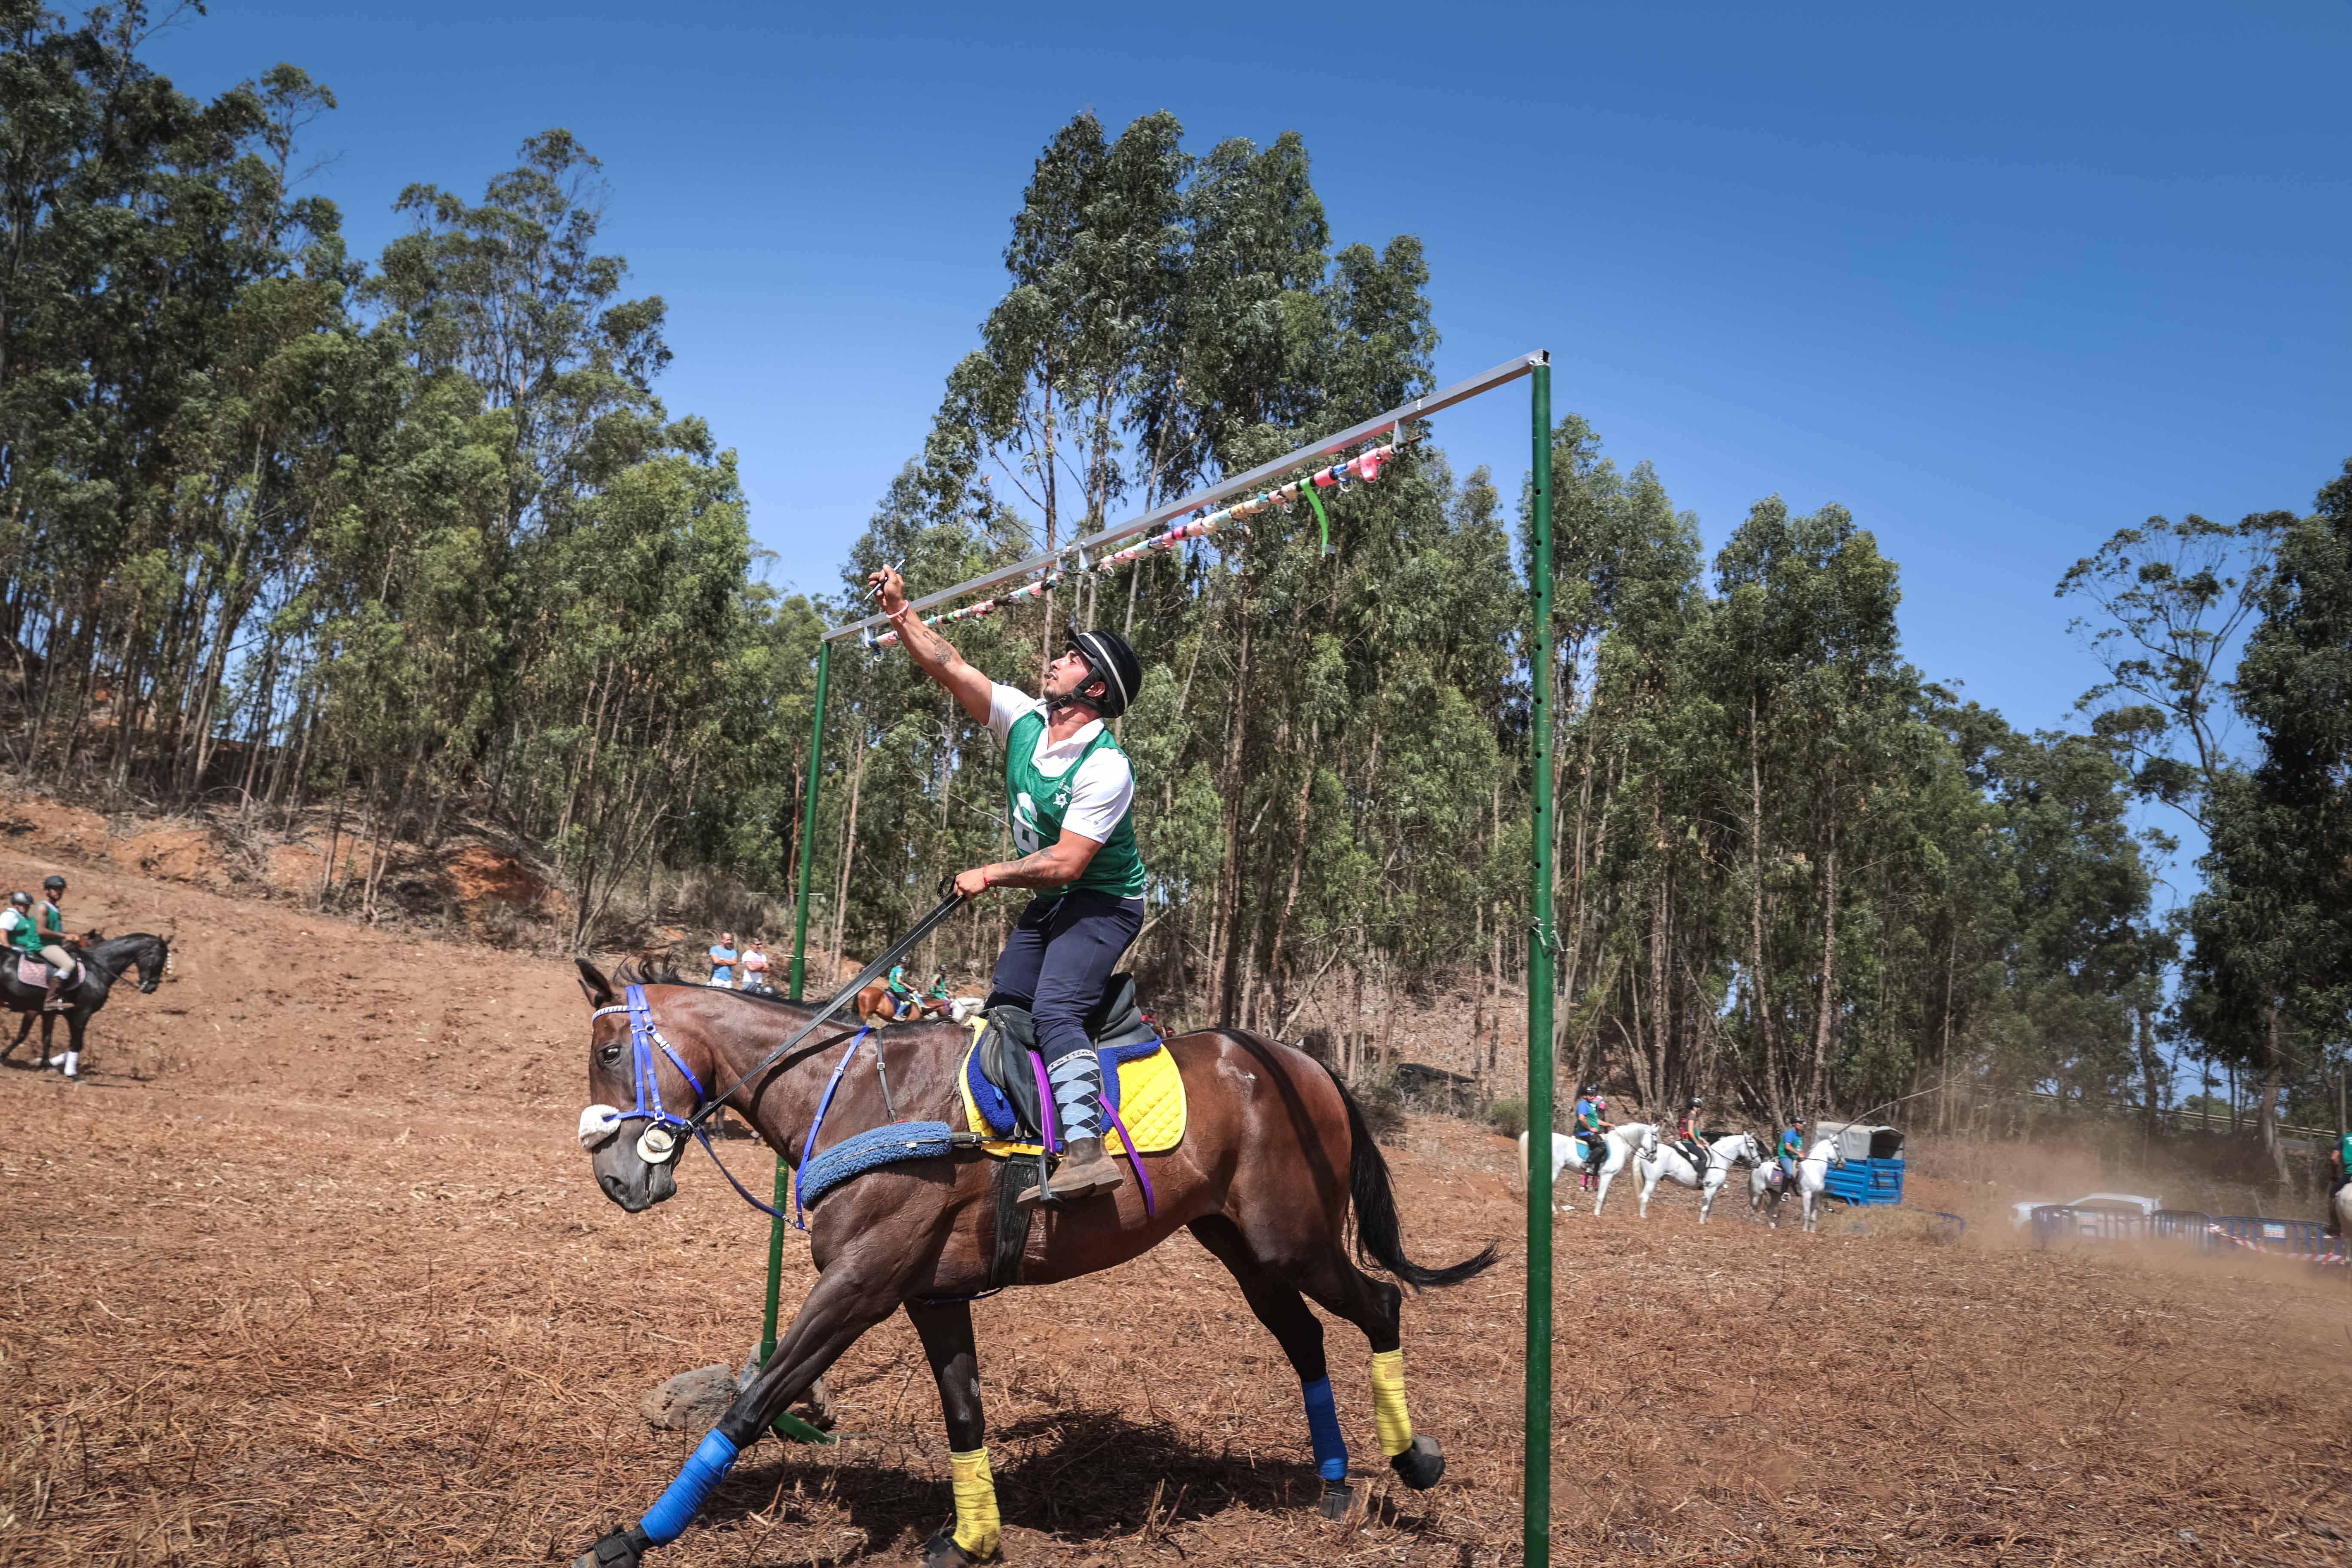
722 961
755 966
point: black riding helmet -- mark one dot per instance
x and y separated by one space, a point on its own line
53 884
1110 660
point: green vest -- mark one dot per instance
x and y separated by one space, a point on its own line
24 936
1036 804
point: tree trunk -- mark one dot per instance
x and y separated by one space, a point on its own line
1759 1002
848 856
2267 1119
1230 873
1661 1013
1825 1004
2144 1020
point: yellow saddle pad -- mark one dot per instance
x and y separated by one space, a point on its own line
1150 1102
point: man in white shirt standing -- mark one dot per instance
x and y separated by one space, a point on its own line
1069 793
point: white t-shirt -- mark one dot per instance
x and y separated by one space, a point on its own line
1105 786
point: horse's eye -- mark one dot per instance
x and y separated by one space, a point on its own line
609 1054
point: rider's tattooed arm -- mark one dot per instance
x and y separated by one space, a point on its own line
933 654
1057 865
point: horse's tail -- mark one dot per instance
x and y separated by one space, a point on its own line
1377 1238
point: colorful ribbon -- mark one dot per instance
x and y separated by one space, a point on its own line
1365 468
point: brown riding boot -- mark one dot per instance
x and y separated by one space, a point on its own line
1085 1171
57 984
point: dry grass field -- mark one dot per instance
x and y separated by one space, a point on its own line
310 1271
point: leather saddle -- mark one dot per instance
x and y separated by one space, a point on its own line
1008 1047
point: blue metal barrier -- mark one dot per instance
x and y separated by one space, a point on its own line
2191 1228
2056 1223
1865 1182
2305 1240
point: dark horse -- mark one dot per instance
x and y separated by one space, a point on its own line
104 961
1275 1153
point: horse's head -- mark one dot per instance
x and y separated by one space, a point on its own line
154 958
1649 1144
634 1152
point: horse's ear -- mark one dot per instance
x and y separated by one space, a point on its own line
599 990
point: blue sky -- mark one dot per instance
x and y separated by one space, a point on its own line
1999 282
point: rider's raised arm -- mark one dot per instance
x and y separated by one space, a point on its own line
933 653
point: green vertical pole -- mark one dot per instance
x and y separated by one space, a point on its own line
799 976
1536 1540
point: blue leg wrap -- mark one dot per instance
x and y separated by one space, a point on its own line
1323 1427
668 1518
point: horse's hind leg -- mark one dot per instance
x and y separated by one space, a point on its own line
946 1331
24 1028
1331 1279
1280 1308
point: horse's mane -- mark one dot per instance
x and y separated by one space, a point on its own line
647 969
661 969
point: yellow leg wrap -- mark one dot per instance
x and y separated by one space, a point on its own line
1388 1402
977 1530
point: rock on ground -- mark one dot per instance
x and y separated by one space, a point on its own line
692 1400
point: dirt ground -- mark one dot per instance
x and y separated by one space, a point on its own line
311 1271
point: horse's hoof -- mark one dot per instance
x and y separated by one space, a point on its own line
1336 1499
621 1549
941 1552
1419 1466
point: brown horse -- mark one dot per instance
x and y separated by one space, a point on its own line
1275 1153
877 1006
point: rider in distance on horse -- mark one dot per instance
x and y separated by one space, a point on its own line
1070 792
1686 1136
2341 1158
1792 1148
903 998
49 939
1593 1126
17 926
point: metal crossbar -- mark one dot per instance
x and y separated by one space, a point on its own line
1086 549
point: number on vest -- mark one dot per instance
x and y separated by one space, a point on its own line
1024 825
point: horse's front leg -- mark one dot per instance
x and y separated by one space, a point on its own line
76 1022
946 1331
856 1293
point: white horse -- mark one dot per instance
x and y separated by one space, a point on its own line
1621 1140
1813 1179
1656 1160
2344 1217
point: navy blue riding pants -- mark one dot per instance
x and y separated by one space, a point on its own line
1060 958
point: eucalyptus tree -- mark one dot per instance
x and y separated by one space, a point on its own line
2269 978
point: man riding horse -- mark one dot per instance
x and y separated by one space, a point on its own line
1593 1126
1793 1150
1070 793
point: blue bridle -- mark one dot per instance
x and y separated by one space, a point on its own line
644 1038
